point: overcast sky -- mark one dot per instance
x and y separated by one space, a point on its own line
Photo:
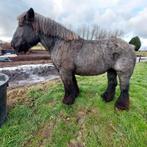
129 16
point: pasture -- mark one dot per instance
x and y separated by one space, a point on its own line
37 117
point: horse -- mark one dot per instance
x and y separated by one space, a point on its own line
73 55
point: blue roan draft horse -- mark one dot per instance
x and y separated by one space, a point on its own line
73 55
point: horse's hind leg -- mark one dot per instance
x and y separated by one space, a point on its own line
70 87
108 95
123 100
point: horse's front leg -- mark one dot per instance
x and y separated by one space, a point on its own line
70 87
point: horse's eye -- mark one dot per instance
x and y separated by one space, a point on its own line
20 25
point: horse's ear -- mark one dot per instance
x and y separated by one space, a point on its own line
30 14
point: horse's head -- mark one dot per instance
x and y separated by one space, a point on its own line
25 36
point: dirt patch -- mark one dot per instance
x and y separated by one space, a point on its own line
74 143
20 94
16 95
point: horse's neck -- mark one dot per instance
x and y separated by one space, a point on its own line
48 42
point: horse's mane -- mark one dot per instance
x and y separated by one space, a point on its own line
50 27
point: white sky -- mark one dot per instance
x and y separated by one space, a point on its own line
129 16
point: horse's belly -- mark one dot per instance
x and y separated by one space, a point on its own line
91 69
91 62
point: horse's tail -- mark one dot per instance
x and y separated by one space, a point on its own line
136 42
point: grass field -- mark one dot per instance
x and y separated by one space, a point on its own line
38 118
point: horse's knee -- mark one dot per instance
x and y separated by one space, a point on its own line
124 80
70 86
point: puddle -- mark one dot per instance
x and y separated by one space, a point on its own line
29 74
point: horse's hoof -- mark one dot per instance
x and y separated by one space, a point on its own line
68 100
122 105
106 97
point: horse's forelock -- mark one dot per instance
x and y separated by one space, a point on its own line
20 18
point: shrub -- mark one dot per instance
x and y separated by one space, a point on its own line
136 42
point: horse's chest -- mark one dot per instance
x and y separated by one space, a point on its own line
61 59
56 59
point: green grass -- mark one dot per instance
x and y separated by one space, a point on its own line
42 120
141 53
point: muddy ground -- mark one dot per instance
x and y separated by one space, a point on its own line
33 57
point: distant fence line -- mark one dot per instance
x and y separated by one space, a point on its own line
141 58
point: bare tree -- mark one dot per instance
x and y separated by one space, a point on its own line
96 32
